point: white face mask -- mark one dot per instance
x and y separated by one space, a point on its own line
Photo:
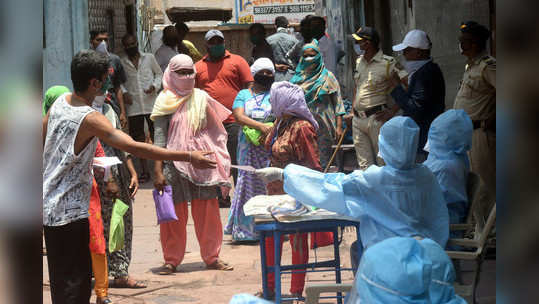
413 65
98 102
308 59
358 49
102 48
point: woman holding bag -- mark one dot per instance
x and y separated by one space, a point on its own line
188 119
252 109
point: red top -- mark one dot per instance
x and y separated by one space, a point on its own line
97 235
223 79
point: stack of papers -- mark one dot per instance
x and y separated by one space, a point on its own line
284 208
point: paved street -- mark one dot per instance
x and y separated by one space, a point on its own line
193 283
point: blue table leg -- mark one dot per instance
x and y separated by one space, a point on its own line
264 264
337 262
277 265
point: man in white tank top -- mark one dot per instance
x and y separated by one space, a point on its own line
70 132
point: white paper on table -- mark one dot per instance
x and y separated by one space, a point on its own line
106 163
244 168
258 205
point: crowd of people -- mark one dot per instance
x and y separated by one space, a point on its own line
279 111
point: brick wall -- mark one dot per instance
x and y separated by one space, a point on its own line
109 15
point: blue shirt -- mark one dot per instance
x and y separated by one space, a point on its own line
251 102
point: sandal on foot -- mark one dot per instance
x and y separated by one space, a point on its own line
104 300
220 265
127 282
167 269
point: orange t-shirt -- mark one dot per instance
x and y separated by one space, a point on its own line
223 79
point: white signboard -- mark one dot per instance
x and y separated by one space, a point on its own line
265 11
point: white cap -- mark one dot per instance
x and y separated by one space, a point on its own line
262 64
212 33
415 39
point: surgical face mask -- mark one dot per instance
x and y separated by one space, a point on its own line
98 102
265 80
102 48
131 51
309 58
358 49
217 51
412 66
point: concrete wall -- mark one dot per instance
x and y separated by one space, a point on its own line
236 38
441 20
66 33
224 4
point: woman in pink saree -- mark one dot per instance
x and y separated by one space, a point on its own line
188 119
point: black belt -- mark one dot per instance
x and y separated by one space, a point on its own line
371 111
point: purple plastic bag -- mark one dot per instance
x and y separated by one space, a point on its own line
164 205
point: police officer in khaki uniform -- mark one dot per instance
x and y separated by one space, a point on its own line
372 105
477 96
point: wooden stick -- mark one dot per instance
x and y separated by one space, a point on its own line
336 149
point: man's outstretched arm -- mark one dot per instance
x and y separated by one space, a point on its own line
98 125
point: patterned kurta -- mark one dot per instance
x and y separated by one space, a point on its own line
241 227
297 144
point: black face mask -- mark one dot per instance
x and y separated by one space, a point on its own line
131 51
264 80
